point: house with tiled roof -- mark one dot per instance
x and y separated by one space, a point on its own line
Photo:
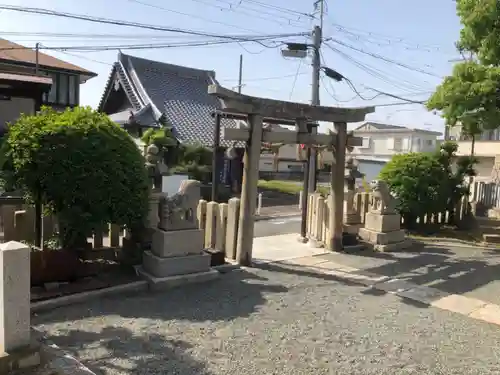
142 93
24 72
154 93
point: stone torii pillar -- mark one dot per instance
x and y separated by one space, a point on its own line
260 109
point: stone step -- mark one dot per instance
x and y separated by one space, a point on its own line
484 222
490 230
491 238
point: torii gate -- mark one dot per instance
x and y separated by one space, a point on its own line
259 109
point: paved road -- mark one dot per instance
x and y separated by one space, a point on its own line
273 320
276 226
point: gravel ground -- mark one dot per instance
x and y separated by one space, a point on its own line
278 320
472 272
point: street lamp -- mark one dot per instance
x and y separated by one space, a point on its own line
295 50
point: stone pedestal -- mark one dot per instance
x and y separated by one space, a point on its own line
174 254
176 242
16 347
174 266
383 232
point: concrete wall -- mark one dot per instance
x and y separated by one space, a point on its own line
481 148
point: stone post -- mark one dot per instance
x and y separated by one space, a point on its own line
249 192
153 216
336 197
351 216
15 340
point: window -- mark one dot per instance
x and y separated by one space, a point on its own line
64 90
365 143
73 90
406 145
429 142
395 144
398 144
417 142
52 97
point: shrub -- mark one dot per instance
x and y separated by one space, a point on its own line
83 167
425 182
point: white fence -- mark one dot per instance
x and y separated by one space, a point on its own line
485 193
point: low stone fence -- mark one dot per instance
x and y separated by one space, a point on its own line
18 224
318 214
220 223
219 220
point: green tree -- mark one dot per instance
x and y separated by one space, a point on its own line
83 167
470 95
427 183
194 160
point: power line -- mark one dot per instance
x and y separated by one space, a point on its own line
277 11
353 88
282 9
267 78
92 35
376 73
233 8
295 80
88 48
397 39
189 15
108 21
84 57
390 43
380 57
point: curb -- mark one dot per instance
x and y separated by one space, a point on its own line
275 216
136 286
133 287
455 243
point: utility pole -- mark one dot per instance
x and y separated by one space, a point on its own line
37 52
240 76
312 158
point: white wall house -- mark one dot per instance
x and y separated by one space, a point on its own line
382 141
486 150
288 160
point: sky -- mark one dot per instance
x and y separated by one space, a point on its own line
399 47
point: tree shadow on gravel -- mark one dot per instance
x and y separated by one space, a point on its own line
298 270
443 269
475 273
234 295
118 350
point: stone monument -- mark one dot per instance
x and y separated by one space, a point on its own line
382 223
18 349
351 215
177 242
